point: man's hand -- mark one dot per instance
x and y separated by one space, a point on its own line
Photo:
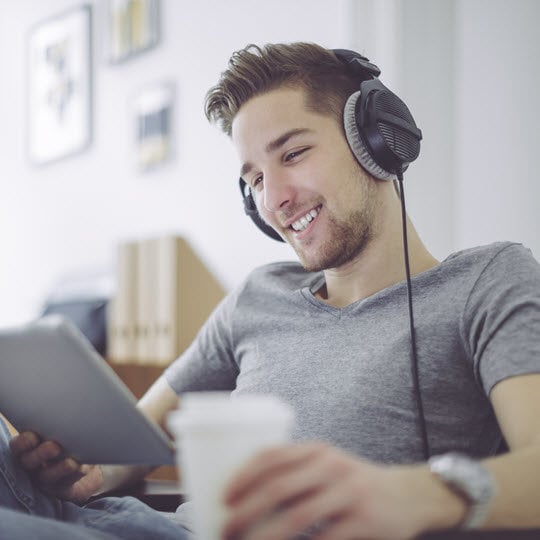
290 489
52 471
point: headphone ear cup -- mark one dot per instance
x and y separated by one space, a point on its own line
264 227
381 130
250 208
356 143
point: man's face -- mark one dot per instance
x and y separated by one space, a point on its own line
304 179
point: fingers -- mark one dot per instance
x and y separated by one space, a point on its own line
64 472
271 496
31 452
44 459
267 464
40 456
55 473
23 442
315 512
322 491
300 479
340 530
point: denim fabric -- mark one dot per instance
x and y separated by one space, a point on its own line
29 514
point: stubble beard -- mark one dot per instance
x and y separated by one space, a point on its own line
347 238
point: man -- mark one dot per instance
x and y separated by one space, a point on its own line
333 338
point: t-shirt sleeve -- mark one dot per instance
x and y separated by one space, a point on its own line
501 320
208 363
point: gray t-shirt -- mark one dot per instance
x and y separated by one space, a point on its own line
347 371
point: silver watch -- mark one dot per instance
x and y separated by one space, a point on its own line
469 479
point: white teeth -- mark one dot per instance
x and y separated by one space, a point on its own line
304 221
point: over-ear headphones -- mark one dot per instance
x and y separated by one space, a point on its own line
250 208
379 128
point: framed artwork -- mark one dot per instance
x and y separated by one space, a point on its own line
153 112
59 85
133 27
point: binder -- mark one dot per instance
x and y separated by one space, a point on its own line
168 257
123 306
146 294
187 292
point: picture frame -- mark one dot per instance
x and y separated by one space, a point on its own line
153 113
134 28
59 86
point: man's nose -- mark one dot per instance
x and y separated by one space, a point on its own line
278 191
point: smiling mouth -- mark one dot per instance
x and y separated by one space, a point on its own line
303 223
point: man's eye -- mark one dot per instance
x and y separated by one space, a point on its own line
256 181
291 155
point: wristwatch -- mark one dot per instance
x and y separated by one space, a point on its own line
470 480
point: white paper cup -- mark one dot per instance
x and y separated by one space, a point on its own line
215 435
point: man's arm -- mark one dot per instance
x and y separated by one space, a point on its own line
67 479
284 490
516 402
158 401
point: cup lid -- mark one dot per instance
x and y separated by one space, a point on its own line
205 409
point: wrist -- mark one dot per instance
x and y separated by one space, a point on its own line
109 478
121 476
442 507
432 505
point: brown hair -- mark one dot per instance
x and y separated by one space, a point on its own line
255 70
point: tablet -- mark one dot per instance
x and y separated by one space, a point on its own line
53 382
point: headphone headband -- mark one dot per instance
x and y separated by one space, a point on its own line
357 62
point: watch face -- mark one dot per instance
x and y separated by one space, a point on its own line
469 478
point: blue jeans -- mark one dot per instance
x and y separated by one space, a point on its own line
29 514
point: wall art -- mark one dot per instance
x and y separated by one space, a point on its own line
133 27
59 90
153 119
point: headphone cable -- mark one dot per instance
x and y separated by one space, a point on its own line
414 357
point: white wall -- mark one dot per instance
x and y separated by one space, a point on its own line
413 43
468 69
498 88
470 72
70 214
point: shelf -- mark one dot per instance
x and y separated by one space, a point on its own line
137 377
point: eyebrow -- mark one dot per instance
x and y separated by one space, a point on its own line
274 145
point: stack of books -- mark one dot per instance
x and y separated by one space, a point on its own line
164 294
